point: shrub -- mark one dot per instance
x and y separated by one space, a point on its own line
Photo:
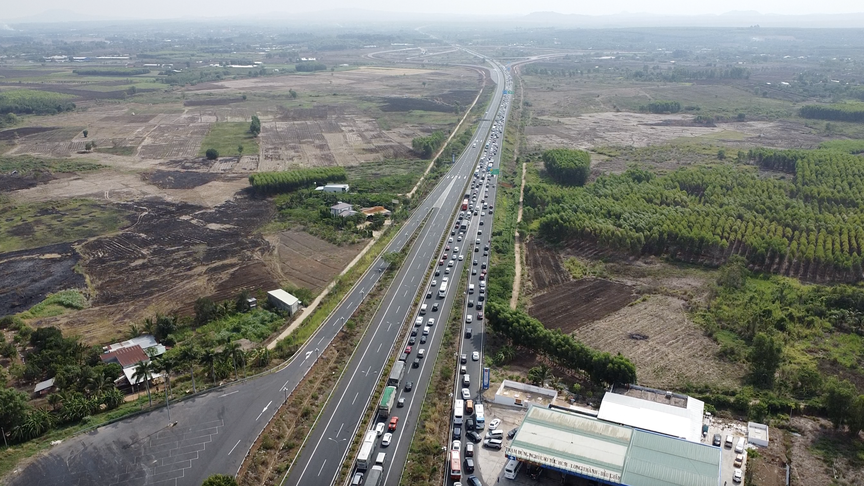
212 154
570 167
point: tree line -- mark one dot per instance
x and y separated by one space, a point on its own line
287 181
426 146
111 71
308 67
850 112
567 166
33 102
817 217
661 107
522 330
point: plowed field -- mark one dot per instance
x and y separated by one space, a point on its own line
574 304
545 266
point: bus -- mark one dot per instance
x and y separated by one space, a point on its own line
442 290
396 374
365 455
455 466
465 203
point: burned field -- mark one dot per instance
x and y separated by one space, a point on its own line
28 276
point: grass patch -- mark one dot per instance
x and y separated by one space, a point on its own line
56 304
26 164
127 151
256 325
580 269
226 137
387 176
34 225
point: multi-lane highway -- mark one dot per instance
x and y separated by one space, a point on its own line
328 444
211 433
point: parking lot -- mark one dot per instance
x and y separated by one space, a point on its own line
724 428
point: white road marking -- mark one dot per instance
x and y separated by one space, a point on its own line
226 394
235 446
262 411
322 467
355 398
340 429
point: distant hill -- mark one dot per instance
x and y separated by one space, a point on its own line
729 19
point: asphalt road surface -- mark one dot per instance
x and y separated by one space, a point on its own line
329 441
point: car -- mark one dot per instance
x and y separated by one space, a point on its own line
463 370
379 429
739 460
492 443
440 262
476 248
473 271
459 238
422 339
437 272
469 449
446 271
414 332
447 248
481 298
409 385
385 441
461 257
408 349
430 322
456 446
469 465
455 250
481 222
475 356
466 393
429 294
479 316
482 277
426 331
473 436
434 283
479 306
470 302
357 480
452 232
479 231
736 477
483 265
435 307
463 359
475 261
393 422
494 424
468 319
512 433
451 239
457 432
718 439
416 363
412 340
445 256
451 263
400 403
445 279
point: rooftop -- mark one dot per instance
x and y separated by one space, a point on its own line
658 411
44 385
126 357
284 297
522 392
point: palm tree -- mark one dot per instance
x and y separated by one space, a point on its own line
231 351
167 364
97 383
208 357
189 355
144 371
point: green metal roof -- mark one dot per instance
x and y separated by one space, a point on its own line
658 460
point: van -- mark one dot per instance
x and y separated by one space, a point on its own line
379 459
469 406
729 441
421 354
423 308
480 418
466 380
511 470
470 288
495 434
739 448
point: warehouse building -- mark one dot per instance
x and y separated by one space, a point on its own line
283 301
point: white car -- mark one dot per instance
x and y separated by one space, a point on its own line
475 356
445 279
434 282
494 424
455 249
379 429
468 319
457 445
461 257
736 477
386 440
466 394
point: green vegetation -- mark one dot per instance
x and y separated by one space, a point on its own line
28 165
8 120
567 166
123 150
309 66
850 112
426 146
581 269
56 304
522 330
220 480
288 181
225 137
256 325
391 176
33 102
211 154
848 146
193 76
310 209
661 107
813 218
255 126
34 225
113 71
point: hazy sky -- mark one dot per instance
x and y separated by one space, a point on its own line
152 9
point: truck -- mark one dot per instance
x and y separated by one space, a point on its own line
364 457
442 290
465 203
396 374
388 398
373 477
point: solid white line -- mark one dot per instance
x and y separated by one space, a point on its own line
226 394
381 344
322 467
340 430
235 446
355 398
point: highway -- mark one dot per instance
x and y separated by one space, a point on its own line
328 443
212 432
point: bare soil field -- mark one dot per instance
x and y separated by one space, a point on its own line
544 265
572 305
28 276
816 457
306 261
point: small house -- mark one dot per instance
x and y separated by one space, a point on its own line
342 209
283 300
44 387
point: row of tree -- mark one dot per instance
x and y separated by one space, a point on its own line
287 181
850 112
567 166
522 330
33 102
661 106
428 145
309 66
111 71
255 126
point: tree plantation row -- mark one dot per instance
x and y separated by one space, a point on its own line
715 211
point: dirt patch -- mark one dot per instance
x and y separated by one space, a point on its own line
216 102
672 344
179 180
814 435
408 104
14 182
28 276
14 133
571 305
545 266
306 261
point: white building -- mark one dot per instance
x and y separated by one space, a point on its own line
655 410
284 301
334 188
